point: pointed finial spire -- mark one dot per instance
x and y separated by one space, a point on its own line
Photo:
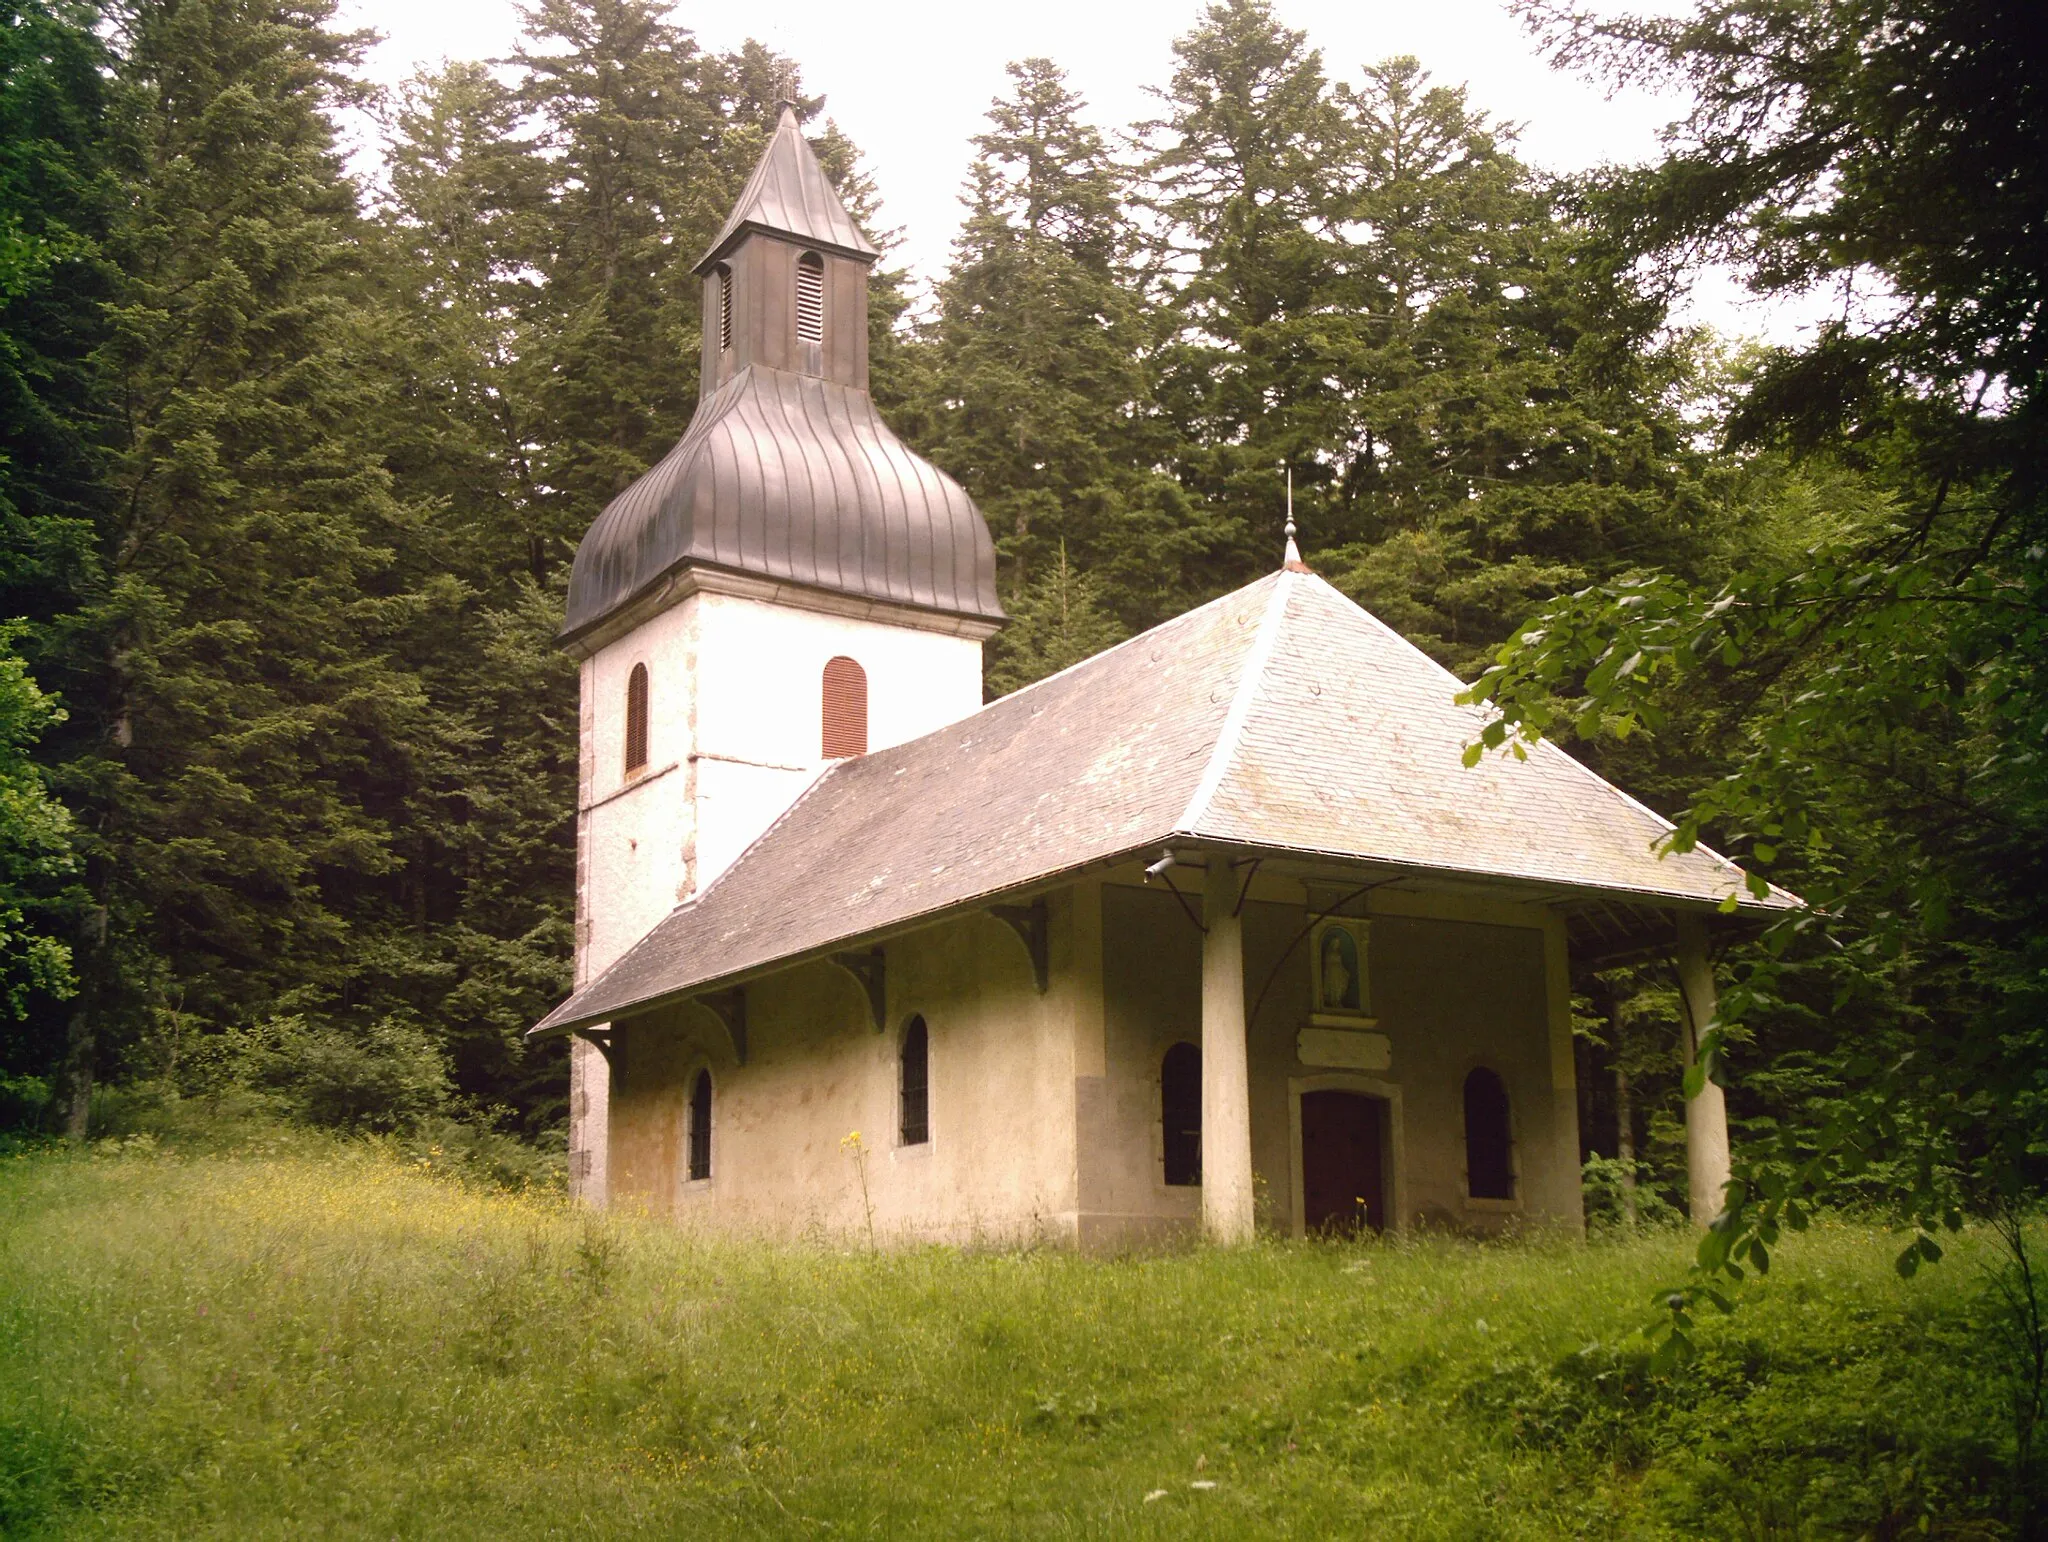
1291 558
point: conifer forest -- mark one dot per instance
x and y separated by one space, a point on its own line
294 458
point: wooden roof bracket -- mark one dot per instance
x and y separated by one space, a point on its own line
599 1039
730 1008
1034 930
867 967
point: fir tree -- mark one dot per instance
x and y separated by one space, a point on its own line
1513 422
60 152
1038 398
254 737
1239 178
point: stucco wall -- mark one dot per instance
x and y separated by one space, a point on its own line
1000 1161
734 716
1447 994
1045 1108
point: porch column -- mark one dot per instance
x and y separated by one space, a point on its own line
1706 1116
1226 1079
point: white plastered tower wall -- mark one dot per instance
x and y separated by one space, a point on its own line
735 670
789 526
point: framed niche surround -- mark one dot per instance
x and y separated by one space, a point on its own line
1338 1033
1340 984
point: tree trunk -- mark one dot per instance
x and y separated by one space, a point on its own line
1625 1141
78 1035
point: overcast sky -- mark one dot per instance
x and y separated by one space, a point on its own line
911 80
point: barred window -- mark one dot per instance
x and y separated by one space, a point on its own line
1489 1142
636 719
810 298
700 1127
915 1061
846 709
1180 1114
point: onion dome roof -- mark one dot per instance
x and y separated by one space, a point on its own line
791 477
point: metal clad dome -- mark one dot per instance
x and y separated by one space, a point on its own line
791 477
787 471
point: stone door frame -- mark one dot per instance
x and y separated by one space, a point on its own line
1394 1181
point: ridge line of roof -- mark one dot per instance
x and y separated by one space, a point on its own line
1117 647
1231 732
1542 743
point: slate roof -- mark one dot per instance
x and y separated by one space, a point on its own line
1282 718
790 195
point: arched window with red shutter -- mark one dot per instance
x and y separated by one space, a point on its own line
636 720
846 709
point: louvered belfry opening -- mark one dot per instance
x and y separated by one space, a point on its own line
1180 1114
810 298
724 308
636 719
1489 1141
846 709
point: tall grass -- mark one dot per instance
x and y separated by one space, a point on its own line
321 1340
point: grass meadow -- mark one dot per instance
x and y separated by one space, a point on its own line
309 1338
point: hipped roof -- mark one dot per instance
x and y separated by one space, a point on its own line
790 195
1282 719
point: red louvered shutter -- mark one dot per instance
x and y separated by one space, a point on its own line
636 719
846 709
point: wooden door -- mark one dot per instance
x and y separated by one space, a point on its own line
1343 1176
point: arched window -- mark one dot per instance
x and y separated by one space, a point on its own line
636 719
810 298
700 1127
1180 1114
724 308
846 709
1489 1146
915 1061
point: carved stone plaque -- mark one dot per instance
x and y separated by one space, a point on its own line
1344 1049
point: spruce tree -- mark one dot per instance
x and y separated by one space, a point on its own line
252 739
1240 180
60 150
1038 398
1513 420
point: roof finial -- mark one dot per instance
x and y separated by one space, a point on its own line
785 89
1291 558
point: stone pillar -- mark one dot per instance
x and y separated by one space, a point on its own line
1706 1116
1226 1076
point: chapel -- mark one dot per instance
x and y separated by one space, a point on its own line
1213 932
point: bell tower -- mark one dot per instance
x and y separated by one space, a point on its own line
789 585
786 282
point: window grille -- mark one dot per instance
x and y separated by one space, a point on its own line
636 719
700 1127
916 1063
810 298
724 309
1180 1114
846 709
1489 1142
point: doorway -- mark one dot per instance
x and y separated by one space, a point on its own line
1343 1162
